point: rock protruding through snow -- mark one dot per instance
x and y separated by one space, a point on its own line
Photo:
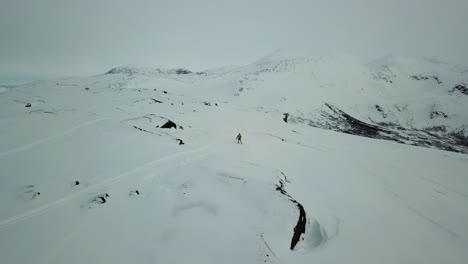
300 227
332 118
169 124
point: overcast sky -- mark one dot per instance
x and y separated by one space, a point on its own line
85 37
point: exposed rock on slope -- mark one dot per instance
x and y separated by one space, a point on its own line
333 118
147 71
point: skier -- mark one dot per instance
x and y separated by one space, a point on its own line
239 138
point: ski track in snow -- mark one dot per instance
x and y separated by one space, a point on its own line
64 200
444 186
421 215
43 140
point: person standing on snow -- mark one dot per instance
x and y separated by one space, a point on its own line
239 138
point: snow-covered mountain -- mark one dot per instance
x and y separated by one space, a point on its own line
140 165
410 100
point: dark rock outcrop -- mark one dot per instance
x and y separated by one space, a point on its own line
182 71
332 118
459 137
462 88
436 113
155 101
134 192
169 124
386 75
148 71
300 227
101 199
425 78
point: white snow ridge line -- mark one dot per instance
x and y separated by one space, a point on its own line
40 141
60 202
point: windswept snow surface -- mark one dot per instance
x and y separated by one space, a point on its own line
71 165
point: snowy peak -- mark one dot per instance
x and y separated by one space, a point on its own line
417 68
415 63
296 58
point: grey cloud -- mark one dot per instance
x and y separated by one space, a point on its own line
52 37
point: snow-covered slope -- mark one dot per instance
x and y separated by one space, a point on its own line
420 101
90 174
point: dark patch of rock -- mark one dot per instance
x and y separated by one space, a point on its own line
425 78
300 227
156 101
169 124
459 137
182 71
381 111
350 124
332 118
462 88
436 113
437 129
101 199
